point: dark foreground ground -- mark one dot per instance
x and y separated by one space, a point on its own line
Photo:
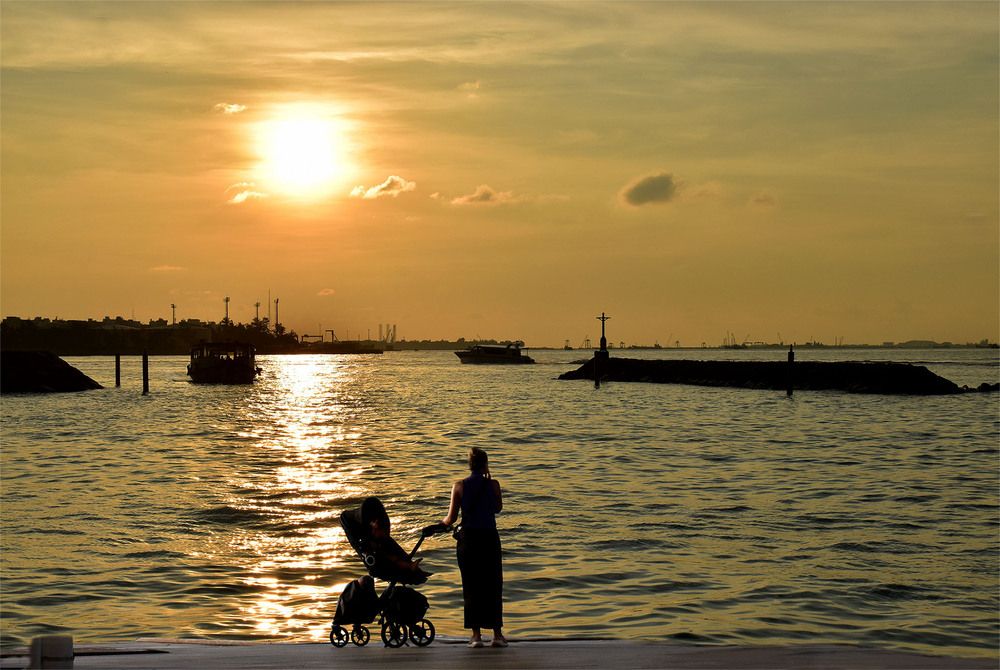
455 655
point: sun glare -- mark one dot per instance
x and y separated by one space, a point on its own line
302 154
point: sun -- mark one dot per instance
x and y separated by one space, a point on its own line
302 153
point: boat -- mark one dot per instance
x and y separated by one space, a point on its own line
223 363
486 353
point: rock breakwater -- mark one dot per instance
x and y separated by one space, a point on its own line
852 377
40 372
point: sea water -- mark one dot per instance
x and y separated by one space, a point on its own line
640 511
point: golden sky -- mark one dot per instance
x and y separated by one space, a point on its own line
771 169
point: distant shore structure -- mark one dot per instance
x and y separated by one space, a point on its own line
111 335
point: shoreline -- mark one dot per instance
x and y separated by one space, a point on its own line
452 652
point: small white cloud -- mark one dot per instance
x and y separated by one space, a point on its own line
229 108
166 268
392 186
246 192
326 291
485 195
243 196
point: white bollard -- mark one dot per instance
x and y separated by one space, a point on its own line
51 651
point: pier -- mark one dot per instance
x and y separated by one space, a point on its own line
169 654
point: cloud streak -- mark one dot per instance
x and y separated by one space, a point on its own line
485 195
229 108
763 201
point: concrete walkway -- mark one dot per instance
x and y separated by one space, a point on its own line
159 654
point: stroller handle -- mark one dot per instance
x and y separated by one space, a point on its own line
429 531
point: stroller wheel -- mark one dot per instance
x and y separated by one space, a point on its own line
338 636
422 633
360 636
393 634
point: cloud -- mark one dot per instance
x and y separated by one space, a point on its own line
654 188
246 192
763 200
166 268
974 217
229 108
712 190
392 186
484 195
326 291
243 196
472 88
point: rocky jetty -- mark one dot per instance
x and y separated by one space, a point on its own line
40 372
853 377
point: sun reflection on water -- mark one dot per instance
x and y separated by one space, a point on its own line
303 433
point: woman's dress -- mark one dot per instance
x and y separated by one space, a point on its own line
479 555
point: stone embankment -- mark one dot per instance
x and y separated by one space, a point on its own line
40 372
853 377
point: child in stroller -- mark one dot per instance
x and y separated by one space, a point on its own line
402 608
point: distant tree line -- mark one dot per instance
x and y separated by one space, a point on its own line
118 335
129 337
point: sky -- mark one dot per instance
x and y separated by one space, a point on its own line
765 171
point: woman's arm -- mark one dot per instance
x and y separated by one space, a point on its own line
456 503
498 496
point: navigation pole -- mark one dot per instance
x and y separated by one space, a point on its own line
602 353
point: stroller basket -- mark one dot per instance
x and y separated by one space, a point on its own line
358 604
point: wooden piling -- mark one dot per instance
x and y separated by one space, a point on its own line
145 372
118 370
791 370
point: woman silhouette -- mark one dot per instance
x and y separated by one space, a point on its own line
479 498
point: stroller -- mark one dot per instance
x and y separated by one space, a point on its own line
400 609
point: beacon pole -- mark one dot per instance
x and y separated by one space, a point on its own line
601 354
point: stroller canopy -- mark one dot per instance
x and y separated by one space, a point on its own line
380 555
